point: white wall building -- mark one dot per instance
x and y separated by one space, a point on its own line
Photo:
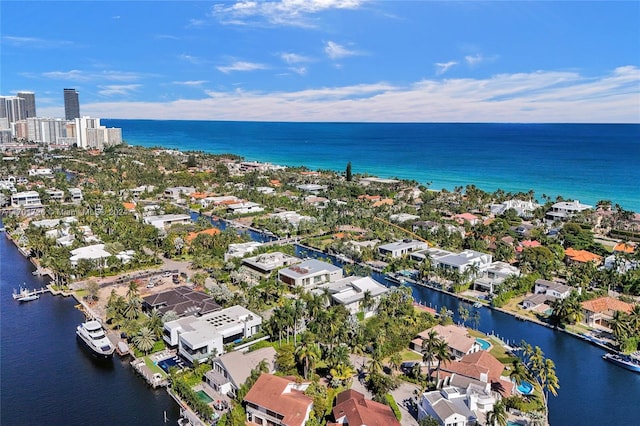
350 292
563 210
198 338
25 199
163 221
309 274
400 248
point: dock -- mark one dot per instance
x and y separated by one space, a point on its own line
25 292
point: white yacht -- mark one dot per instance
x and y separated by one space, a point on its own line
93 336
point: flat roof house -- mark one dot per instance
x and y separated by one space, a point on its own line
163 221
244 207
400 248
350 292
198 338
25 199
264 264
309 274
564 210
460 262
278 401
241 249
75 194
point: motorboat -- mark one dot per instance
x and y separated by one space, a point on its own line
28 297
629 362
93 335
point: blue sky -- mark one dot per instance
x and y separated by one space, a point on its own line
328 60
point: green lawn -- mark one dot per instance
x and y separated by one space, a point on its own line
154 368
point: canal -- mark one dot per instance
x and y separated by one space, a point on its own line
592 390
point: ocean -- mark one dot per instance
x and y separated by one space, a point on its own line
588 162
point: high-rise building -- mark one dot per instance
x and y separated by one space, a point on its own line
29 103
12 109
71 104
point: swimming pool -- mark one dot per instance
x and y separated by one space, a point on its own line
204 397
165 364
484 344
525 388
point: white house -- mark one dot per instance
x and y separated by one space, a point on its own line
264 264
309 274
403 217
241 249
460 262
175 193
96 253
244 207
75 194
495 274
55 194
197 338
552 288
350 292
563 210
293 218
42 171
312 187
163 221
447 406
25 199
400 248
523 208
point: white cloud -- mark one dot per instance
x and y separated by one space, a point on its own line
35 42
443 67
474 59
191 83
241 66
294 58
543 96
86 76
191 59
118 89
285 12
337 51
299 70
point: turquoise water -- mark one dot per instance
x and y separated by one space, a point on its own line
525 388
589 162
484 345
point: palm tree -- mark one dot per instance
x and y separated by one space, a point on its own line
144 340
549 380
442 355
394 361
518 372
428 350
154 323
497 416
308 354
367 301
341 374
620 326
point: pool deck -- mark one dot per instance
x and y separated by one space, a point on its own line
153 379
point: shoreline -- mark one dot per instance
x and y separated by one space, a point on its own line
345 137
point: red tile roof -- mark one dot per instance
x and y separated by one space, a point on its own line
276 394
358 410
582 256
606 303
211 231
624 248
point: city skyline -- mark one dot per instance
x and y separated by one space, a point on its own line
330 60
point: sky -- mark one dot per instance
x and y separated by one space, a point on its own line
327 60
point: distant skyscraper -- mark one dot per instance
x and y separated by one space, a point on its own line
12 109
71 104
29 103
